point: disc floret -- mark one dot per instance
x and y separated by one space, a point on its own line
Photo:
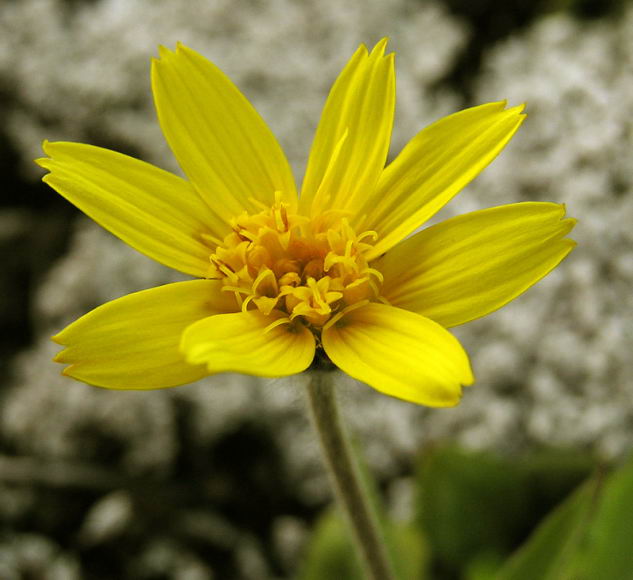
313 270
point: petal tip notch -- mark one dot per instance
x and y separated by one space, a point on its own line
380 47
164 54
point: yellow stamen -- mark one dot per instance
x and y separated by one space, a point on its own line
343 312
277 323
314 270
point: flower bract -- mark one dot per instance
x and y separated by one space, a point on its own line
334 274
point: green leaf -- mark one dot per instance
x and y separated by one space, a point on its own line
589 537
332 554
550 551
469 503
476 507
609 550
484 566
410 549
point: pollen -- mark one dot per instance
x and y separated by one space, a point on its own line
312 270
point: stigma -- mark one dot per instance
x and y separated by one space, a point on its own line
312 270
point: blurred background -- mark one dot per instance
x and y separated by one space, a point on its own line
222 479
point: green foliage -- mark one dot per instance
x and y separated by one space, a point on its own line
547 554
586 538
482 517
331 553
609 552
410 550
467 503
477 507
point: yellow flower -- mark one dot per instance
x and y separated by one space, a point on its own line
287 281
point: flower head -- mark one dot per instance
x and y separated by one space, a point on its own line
334 274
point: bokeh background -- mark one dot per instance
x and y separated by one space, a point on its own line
222 479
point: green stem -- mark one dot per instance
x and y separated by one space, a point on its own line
345 476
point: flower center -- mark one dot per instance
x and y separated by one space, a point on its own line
314 270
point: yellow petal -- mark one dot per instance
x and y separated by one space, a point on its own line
241 343
219 140
352 140
399 353
132 342
434 166
152 210
470 265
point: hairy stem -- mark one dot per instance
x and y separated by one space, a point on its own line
345 476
